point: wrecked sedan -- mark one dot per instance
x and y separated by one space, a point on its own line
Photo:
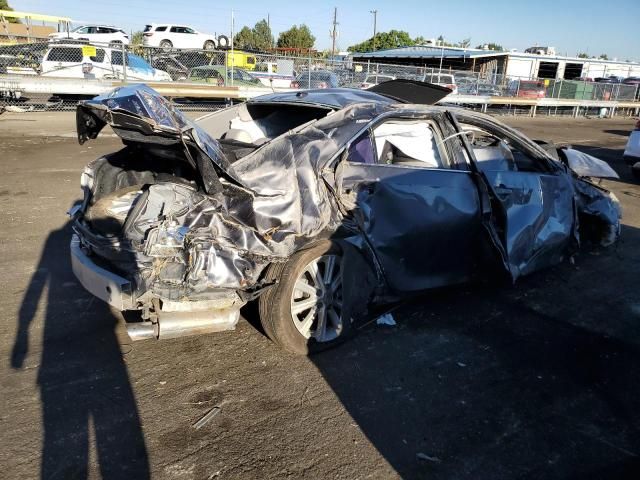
317 204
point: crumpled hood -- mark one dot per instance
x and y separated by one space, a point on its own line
137 113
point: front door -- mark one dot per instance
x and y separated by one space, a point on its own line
421 216
535 194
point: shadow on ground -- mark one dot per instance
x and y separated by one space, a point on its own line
540 380
84 385
623 133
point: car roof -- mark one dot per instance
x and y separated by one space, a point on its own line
332 97
399 91
97 25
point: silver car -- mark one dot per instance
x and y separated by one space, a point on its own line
317 205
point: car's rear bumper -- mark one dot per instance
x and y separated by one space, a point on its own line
107 286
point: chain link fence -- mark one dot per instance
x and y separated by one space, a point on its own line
259 72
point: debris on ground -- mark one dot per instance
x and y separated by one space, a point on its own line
386 319
427 458
206 418
16 109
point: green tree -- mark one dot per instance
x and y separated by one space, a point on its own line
492 46
384 41
244 38
465 43
583 55
604 56
258 37
4 5
137 38
296 37
262 36
419 40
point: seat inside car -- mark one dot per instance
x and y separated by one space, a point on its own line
407 143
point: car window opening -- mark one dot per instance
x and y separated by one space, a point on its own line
405 143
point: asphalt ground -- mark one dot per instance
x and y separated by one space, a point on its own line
497 381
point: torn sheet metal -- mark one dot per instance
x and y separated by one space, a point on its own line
540 218
585 165
273 202
600 211
137 113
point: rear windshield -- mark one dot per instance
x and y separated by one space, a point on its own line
204 73
133 61
147 28
65 54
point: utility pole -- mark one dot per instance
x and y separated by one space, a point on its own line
334 33
269 26
375 18
233 58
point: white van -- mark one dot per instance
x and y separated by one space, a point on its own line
88 61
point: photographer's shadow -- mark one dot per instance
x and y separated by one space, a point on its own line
83 380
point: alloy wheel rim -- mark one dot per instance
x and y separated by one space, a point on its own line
316 299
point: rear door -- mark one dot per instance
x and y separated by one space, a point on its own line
419 208
535 212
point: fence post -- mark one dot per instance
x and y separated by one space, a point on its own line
560 90
309 68
124 62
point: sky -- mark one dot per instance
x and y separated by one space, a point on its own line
591 26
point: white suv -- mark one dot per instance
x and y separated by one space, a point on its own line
87 61
95 33
180 36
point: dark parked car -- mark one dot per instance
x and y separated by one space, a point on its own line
316 79
317 204
179 64
612 79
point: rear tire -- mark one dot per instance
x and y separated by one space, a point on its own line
303 311
166 45
636 173
209 45
223 41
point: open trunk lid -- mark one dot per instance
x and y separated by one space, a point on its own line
411 91
137 113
